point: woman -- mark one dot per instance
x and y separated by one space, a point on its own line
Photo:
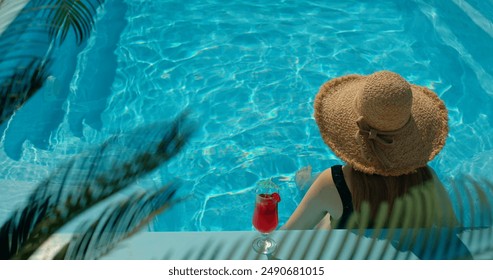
386 131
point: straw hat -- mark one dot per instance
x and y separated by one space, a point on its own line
381 124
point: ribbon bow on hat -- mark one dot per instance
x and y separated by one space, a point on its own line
384 139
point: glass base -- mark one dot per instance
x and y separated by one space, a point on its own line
264 245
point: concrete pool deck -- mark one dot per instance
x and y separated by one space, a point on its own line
9 9
236 245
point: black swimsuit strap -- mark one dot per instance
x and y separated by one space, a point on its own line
344 193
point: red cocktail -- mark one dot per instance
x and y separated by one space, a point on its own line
265 220
265 217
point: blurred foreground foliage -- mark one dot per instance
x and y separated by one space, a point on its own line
99 175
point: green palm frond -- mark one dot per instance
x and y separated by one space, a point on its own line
26 45
414 229
88 180
43 22
75 15
116 223
21 86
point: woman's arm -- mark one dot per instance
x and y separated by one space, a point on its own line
320 199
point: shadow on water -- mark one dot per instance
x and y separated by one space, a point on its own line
96 78
42 115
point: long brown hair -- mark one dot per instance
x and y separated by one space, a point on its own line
376 189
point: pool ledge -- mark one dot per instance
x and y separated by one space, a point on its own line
236 245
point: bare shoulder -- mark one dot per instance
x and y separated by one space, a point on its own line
328 193
325 178
325 183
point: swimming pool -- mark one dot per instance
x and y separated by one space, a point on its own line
249 71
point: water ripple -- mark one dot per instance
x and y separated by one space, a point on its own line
249 71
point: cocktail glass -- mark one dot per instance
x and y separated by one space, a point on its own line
265 220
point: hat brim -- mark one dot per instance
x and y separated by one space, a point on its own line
417 144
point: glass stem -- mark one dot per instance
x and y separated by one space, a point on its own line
265 236
266 241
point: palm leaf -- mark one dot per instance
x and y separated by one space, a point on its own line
88 180
25 46
116 223
21 86
75 15
13 232
443 240
43 22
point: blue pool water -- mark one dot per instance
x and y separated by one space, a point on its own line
249 71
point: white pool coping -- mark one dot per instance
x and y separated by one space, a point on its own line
9 9
236 245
